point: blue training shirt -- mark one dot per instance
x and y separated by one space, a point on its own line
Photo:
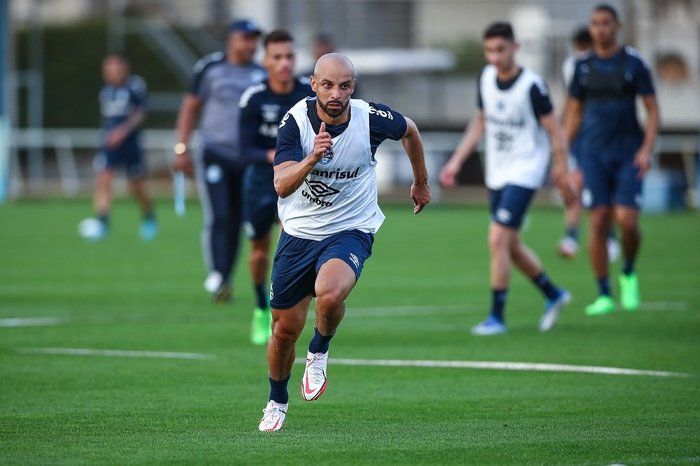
608 88
117 103
261 113
384 123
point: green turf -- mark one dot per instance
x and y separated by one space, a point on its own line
123 294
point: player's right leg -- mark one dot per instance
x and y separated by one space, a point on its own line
104 163
600 223
136 174
287 325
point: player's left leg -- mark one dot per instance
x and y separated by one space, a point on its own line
626 212
149 226
531 266
338 269
568 246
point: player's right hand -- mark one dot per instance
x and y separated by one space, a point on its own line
448 174
183 163
322 142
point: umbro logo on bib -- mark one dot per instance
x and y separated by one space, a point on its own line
320 189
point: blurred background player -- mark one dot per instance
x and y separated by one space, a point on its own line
325 177
568 246
218 83
123 109
515 113
262 108
615 152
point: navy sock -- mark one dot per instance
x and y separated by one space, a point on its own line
572 232
498 303
278 390
612 234
628 267
261 295
150 215
546 286
104 219
319 343
604 286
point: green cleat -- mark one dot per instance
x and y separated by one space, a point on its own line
602 305
629 292
261 327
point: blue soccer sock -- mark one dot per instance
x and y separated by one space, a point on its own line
628 267
104 218
498 303
604 286
572 232
261 295
278 390
611 233
319 343
546 286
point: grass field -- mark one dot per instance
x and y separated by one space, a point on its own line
425 285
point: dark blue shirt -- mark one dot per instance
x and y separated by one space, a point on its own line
261 112
384 123
117 103
608 88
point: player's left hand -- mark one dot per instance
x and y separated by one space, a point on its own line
642 160
420 193
116 137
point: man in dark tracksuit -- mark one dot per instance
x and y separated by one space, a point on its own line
218 83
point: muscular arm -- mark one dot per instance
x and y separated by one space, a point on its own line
290 175
651 130
412 144
560 157
187 117
472 136
573 116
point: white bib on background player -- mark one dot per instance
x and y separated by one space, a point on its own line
517 147
340 193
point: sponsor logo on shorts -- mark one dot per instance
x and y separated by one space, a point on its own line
272 292
503 215
587 197
214 174
355 260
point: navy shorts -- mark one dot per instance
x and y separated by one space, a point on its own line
129 155
297 262
509 205
260 200
611 181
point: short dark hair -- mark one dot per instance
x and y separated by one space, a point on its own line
278 35
117 55
581 36
499 29
606 7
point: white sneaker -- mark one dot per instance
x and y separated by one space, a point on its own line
568 247
273 417
314 382
213 282
613 250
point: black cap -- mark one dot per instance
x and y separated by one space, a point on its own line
245 26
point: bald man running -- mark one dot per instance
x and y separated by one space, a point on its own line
327 186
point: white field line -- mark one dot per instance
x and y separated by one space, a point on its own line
115 353
664 306
32 321
499 365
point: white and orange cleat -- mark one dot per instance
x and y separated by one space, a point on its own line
273 417
314 382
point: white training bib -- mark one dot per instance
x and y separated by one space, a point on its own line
340 193
517 147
